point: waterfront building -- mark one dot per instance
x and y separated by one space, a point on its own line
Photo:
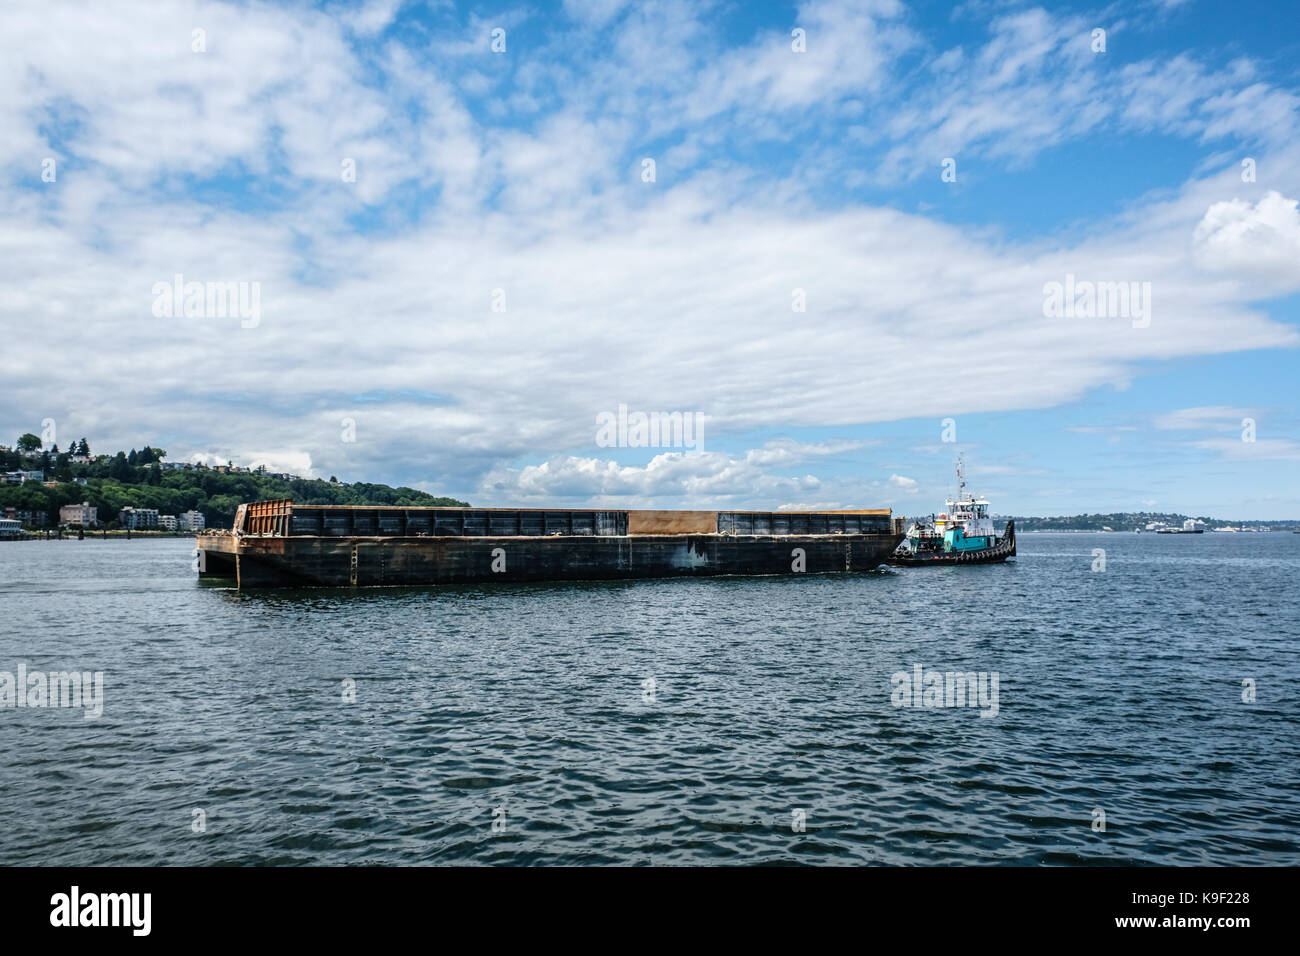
83 514
29 518
138 519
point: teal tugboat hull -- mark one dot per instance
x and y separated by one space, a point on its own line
1005 547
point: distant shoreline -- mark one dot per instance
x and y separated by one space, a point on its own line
124 536
72 535
1124 531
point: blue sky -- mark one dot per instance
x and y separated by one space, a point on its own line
498 269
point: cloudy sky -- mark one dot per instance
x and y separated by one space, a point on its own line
830 228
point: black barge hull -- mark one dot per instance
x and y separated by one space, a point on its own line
277 556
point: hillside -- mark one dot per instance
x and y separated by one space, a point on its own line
137 479
1129 521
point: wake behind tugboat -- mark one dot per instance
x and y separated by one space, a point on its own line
964 534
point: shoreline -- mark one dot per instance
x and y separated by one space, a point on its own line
97 535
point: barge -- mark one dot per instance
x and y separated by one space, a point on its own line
282 544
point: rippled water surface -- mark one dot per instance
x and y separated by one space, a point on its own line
529 706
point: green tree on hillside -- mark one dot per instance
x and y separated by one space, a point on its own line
119 469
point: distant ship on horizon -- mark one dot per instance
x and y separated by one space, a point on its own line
1190 526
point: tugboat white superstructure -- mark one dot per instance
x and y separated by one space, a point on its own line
964 534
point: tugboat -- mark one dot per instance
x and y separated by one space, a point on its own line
963 534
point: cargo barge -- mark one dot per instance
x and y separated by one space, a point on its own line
281 544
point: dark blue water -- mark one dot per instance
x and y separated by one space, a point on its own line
527 707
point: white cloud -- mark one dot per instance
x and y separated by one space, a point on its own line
373 16
848 47
1204 418
594 13
1037 84
908 485
1234 433
594 319
1262 449
279 460
1259 240
691 477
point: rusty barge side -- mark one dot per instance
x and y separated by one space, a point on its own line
280 544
